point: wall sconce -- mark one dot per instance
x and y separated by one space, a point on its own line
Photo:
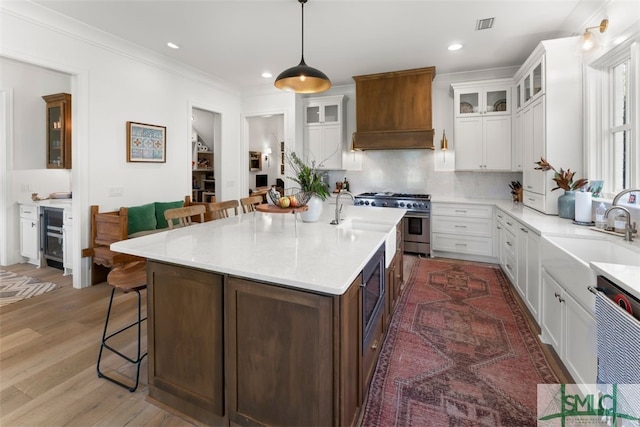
588 41
444 144
267 151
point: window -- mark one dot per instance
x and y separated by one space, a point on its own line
612 128
619 138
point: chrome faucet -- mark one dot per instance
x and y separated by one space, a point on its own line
628 229
336 220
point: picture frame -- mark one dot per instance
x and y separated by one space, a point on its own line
146 143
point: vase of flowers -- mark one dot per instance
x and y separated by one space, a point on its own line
310 180
564 180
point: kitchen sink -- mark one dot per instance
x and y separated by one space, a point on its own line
381 227
597 250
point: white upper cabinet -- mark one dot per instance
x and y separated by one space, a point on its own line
482 125
549 118
324 131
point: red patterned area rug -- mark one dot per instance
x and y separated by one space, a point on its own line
459 352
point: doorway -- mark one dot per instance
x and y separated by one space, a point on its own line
205 135
266 151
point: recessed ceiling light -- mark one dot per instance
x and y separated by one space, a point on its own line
267 75
455 46
173 45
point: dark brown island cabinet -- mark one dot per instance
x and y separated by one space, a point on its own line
227 350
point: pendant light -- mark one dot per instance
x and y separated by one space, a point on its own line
302 78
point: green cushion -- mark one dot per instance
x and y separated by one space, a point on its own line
141 218
163 206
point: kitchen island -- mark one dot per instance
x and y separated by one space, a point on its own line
257 320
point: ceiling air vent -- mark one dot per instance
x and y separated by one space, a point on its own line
484 24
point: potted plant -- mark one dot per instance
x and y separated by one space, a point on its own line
563 180
310 181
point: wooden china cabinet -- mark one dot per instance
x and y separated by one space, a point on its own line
58 128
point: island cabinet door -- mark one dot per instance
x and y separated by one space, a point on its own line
185 340
279 355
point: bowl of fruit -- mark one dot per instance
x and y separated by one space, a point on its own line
295 199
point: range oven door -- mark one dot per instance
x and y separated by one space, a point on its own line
417 233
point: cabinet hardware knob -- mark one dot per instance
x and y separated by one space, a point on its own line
561 299
509 224
524 229
509 244
374 345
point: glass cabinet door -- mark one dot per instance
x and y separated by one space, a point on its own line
469 103
519 95
496 101
58 131
331 113
537 79
527 88
54 135
312 114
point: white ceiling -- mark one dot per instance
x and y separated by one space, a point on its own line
236 40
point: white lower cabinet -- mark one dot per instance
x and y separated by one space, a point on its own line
570 329
519 254
465 230
30 234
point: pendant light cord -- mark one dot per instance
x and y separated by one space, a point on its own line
302 2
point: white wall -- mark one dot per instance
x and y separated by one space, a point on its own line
114 82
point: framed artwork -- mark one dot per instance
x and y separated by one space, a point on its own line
146 143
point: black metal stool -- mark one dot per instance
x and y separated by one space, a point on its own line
131 277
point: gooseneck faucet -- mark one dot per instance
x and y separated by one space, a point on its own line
628 229
336 220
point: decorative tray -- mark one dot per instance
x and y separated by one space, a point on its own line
500 105
277 209
466 108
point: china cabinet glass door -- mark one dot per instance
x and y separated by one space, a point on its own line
58 131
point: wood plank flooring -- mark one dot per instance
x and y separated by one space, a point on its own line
48 350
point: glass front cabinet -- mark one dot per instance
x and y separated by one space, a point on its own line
531 85
483 101
58 130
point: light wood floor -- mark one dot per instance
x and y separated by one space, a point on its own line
48 350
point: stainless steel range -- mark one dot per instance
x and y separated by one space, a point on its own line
417 226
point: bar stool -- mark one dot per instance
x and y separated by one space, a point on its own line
131 277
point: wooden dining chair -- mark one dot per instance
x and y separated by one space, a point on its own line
249 203
184 216
220 210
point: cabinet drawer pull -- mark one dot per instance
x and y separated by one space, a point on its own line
509 267
524 229
509 244
500 216
557 295
374 346
561 299
509 224
499 228
461 244
33 224
531 200
461 210
460 226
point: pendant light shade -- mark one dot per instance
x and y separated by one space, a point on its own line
303 78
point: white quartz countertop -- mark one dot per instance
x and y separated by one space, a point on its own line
626 276
263 246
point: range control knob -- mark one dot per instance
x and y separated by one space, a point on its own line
402 204
373 203
384 204
396 204
366 203
361 202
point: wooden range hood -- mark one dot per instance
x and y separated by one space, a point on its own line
393 110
